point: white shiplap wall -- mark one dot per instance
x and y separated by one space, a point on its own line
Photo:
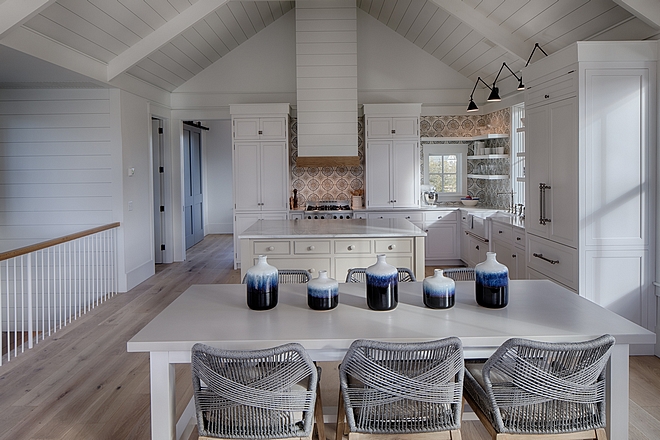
55 163
326 71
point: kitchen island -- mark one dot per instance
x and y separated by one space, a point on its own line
333 245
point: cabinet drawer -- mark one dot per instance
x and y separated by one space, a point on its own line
272 247
313 265
311 247
415 217
554 260
502 232
519 238
393 245
353 246
551 91
435 216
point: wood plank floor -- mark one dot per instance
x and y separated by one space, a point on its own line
82 384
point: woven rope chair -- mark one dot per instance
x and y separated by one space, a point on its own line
401 388
459 273
532 389
291 276
258 394
358 275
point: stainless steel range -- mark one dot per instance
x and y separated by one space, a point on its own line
328 209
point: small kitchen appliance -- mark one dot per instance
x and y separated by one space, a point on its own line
429 194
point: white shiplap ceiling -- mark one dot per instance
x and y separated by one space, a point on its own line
167 42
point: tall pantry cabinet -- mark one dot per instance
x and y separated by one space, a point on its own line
392 155
260 139
590 192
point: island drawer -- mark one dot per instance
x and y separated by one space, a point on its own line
519 237
435 216
313 265
359 246
272 247
393 245
311 247
554 260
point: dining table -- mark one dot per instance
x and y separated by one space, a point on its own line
218 315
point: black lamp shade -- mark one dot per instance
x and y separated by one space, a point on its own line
472 107
521 86
494 95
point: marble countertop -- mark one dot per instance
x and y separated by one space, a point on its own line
507 219
363 228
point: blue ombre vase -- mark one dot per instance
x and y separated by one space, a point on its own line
491 283
439 291
382 285
322 292
261 280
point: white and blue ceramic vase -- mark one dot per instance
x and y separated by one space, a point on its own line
491 283
439 291
382 285
322 292
261 280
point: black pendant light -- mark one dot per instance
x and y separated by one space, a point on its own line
472 106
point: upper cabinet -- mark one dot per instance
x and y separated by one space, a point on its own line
259 128
392 155
590 138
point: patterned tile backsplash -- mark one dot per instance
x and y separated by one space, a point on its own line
336 183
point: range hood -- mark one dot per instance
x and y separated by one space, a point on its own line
326 81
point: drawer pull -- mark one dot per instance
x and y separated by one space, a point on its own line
545 259
311 248
439 217
351 247
311 270
408 217
270 248
518 238
547 96
500 232
392 247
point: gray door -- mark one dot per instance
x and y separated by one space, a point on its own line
192 155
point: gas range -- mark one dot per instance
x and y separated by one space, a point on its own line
328 209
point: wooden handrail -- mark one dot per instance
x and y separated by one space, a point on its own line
55 241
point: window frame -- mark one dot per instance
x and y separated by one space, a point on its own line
461 151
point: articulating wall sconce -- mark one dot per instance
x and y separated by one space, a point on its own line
495 91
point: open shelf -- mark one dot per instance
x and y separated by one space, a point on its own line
483 137
490 156
488 176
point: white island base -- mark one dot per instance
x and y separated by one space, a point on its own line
333 245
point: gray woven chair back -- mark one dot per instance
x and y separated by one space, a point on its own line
397 388
254 394
291 276
540 387
459 273
358 275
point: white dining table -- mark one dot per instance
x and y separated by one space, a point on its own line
217 315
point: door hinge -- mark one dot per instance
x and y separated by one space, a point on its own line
162 209
161 169
160 130
162 247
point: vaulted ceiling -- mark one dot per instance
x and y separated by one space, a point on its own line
167 42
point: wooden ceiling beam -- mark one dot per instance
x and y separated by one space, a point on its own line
486 27
161 36
646 10
13 13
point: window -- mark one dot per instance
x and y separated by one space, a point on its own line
445 168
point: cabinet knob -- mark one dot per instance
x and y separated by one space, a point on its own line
407 216
426 230
518 238
311 248
351 247
439 217
392 247
513 256
477 247
311 270
499 232
261 132
270 248
547 96
393 131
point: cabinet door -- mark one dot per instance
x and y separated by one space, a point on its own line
273 128
405 127
476 251
442 242
504 256
274 176
518 264
378 174
246 128
405 174
379 128
241 223
551 148
247 176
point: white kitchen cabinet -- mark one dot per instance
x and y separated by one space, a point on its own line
442 237
508 243
392 159
590 138
260 139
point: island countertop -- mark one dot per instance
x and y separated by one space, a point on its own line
332 228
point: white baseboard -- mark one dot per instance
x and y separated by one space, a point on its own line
219 228
140 274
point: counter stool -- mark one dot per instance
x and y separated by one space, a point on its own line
260 394
459 273
401 388
358 275
539 390
291 276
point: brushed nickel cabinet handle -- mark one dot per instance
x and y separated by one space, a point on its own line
542 219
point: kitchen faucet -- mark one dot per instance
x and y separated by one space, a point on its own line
512 208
